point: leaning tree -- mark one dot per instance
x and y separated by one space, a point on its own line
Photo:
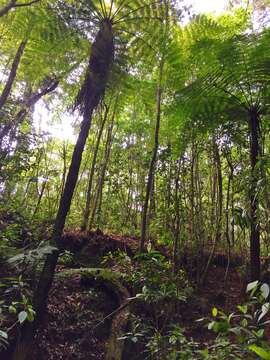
114 29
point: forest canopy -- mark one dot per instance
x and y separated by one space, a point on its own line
134 139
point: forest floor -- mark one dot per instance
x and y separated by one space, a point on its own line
74 310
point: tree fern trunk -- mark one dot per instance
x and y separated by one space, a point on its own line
93 89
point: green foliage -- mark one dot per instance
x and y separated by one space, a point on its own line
3 339
239 335
15 305
157 281
67 258
248 325
152 276
216 70
171 346
31 259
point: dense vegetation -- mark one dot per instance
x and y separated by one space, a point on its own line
160 197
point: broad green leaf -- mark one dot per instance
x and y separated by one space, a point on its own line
260 333
242 308
236 331
204 353
22 316
31 315
265 309
263 354
265 290
244 322
12 309
252 285
3 334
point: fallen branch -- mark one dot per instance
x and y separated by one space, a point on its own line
123 306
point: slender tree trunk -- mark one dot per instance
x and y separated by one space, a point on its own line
7 7
192 192
219 208
93 89
13 4
228 197
153 160
40 197
254 118
177 217
199 224
8 124
152 202
32 176
168 199
98 199
227 230
12 74
64 172
29 103
220 193
9 130
129 202
92 171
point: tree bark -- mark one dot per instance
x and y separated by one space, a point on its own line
12 75
8 7
64 172
177 217
13 4
27 104
40 196
103 172
92 171
254 119
98 198
219 208
93 89
192 191
153 160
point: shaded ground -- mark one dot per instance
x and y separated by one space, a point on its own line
69 331
212 294
74 310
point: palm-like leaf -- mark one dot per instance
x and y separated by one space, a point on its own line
239 76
